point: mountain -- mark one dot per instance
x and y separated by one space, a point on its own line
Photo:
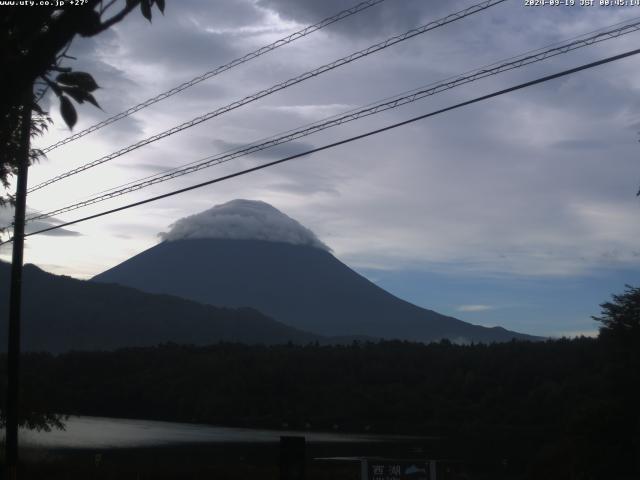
285 272
61 314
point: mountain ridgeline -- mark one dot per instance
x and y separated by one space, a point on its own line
242 271
302 286
62 314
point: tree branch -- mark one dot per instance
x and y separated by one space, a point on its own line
107 6
117 17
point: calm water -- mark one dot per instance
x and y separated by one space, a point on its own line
97 432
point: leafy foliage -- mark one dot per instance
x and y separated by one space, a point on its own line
33 43
68 112
621 318
620 337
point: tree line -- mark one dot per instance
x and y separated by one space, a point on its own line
573 399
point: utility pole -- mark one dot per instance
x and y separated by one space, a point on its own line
13 355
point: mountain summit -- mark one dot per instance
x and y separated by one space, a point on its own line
249 254
243 220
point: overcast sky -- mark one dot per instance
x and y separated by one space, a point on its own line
519 211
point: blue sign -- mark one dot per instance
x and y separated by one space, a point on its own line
383 469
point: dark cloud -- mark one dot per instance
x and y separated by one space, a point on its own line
36 225
191 47
117 92
535 182
580 144
279 151
6 218
234 14
388 17
60 232
188 38
144 167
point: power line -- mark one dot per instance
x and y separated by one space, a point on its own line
372 109
583 36
280 86
341 142
218 70
598 32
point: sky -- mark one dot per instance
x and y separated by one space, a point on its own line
520 211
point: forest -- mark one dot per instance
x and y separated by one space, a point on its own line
570 401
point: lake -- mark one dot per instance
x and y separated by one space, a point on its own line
99 432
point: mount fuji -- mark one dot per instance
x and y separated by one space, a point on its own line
249 254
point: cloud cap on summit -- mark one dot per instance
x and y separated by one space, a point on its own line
243 220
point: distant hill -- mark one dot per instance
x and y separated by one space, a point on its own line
303 286
61 314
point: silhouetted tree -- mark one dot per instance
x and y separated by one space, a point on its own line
620 318
33 40
556 404
620 338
